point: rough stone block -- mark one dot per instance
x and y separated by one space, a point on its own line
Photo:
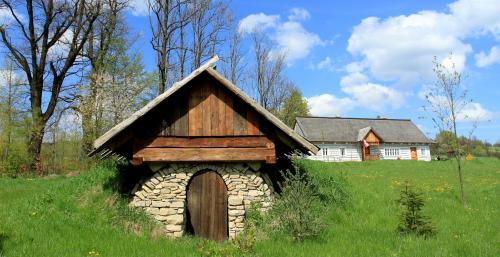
166 211
236 212
175 219
235 200
177 204
159 204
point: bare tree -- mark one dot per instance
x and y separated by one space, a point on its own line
270 84
234 69
181 48
208 22
164 23
445 101
46 44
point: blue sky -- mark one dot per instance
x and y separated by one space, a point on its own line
370 58
373 58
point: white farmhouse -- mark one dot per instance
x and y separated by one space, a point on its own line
359 139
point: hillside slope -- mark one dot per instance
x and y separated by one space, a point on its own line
84 216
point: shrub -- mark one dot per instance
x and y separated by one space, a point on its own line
412 221
15 164
332 190
297 210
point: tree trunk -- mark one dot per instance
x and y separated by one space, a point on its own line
459 159
35 144
88 132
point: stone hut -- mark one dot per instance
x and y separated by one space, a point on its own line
212 151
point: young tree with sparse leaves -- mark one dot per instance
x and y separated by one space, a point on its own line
446 99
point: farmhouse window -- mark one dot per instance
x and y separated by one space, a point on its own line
342 151
422 151
391 151
325 151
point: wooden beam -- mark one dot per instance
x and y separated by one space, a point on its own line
206 154
206 142
136 161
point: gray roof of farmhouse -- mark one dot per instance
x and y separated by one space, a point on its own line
334 129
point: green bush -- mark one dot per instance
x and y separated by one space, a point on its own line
412 221
332 190
297 210
15 164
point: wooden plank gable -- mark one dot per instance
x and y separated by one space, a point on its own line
176 113
209 110
204 122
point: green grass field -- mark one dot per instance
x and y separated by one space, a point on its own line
82 216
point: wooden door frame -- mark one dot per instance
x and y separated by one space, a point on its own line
413 149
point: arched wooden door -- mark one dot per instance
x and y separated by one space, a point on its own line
207 206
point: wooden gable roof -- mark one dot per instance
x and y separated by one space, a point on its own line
214 117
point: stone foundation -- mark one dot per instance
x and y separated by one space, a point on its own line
163 195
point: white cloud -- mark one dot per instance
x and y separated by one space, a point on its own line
139 7
474 112
355 78
325 64
298 14
374 97
290 36
371 96
258 21
401 48
295 41
493 57
329 105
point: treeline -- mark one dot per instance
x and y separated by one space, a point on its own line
71 70
444 146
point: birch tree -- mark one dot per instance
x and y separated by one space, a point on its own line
105 36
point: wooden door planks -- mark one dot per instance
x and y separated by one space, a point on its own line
207 205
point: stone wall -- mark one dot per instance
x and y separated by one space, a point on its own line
163 195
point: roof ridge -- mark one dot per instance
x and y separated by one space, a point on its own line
349 118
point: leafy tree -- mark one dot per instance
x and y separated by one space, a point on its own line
295 105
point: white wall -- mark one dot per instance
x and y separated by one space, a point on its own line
405 152
424 153
353 152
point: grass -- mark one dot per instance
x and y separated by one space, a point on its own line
83 216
